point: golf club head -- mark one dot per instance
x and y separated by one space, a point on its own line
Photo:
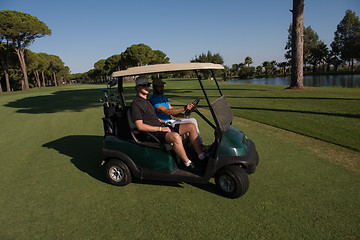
111 83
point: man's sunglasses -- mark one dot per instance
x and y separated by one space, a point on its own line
145 85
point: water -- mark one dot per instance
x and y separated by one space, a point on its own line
348 81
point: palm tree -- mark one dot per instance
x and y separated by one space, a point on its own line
282 67
248 61
234 69
318 55
273 67
266 65
258 70
297 47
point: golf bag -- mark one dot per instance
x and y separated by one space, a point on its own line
109 120
115 122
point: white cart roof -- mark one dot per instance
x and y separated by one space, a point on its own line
169 67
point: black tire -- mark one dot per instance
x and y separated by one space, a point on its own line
117 172
232 181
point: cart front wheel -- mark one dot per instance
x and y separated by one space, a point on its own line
232 181
117 172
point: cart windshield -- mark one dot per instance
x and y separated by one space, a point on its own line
222 112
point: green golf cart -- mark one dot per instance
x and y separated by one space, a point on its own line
127 154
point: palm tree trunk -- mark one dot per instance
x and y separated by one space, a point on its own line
297 61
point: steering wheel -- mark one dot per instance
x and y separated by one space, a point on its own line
189 111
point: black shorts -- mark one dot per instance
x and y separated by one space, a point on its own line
161 135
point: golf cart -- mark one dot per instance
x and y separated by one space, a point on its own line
128 152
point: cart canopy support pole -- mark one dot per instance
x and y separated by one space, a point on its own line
121 92
207 99
217 84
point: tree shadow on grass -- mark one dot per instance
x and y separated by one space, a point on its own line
345 115
67 100
296 98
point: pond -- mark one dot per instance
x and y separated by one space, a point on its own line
348 81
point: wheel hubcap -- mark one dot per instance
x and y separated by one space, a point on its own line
226 183
116 174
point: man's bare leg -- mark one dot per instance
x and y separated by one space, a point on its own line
193 136
175 138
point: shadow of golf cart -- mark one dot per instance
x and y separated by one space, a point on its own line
128 153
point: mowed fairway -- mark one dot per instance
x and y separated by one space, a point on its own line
52 186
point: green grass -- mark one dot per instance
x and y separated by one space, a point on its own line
53 188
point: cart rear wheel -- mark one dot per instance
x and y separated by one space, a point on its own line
232 181
117 172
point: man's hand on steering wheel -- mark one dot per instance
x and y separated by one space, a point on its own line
191 107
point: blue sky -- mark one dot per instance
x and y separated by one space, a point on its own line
84 32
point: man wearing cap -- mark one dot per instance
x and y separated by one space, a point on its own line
145 119
164 110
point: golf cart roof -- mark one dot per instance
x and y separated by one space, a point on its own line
168 67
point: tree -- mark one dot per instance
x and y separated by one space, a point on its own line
347 38
141 55
297 45
234 70
32 65
311 39
137 55
318 55
114 63
245 70
5 53
282 66
227 72
272 67
64 74
334 58
258 70
287 54
159 57
43 66
100 64
266 65
100 67
20 30
56 65
209 58
248 61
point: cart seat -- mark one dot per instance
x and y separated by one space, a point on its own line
139 136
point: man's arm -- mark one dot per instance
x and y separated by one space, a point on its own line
173 111
148 128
